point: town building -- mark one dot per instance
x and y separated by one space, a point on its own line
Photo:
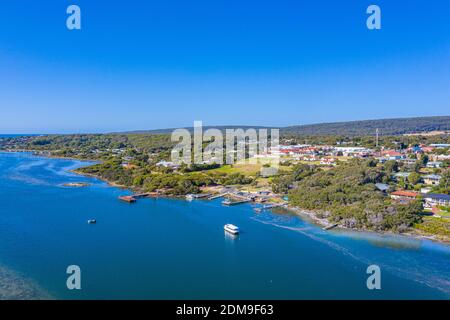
383 187
435 199
434 164
432 179
400 175
404 195
167 164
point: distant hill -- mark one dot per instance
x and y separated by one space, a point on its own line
397 126
191 129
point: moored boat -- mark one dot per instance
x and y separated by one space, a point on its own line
231 228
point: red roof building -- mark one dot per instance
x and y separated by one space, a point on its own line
403 194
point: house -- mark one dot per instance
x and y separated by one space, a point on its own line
415 149
403 195
392 155
167 164
441 157
382 187
434 164
425 190
328 161
403 175
310 158
440 145
127 165
435 199
351 151
427 149
409 161
432 179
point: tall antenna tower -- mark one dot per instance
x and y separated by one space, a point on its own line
377 132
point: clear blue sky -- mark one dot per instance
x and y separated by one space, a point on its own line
157 64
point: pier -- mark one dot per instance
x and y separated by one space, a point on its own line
129 199
133 198
274 205
269 206
232 203
197 196
218 196
141 195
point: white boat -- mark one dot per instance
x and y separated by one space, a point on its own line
92 221
189 197
231 228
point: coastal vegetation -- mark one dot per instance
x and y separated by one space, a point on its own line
347 194
152 178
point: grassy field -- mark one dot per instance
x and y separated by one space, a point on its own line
444 214
245 169
434 225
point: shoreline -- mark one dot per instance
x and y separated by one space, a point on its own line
301 213
323 223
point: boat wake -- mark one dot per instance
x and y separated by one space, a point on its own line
399 265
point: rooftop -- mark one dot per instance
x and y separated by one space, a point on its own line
437 196
404 193
432 176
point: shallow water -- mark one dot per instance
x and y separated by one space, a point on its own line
167 248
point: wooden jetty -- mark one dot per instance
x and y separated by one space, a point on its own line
232 203
129 199
134 197
274 205
141 195
218 196
193 196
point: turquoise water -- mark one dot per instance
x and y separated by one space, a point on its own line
165 248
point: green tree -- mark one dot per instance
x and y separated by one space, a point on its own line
444 184
414 178
424 159
417 165
391 166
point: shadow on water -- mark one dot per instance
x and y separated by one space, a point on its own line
391 241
